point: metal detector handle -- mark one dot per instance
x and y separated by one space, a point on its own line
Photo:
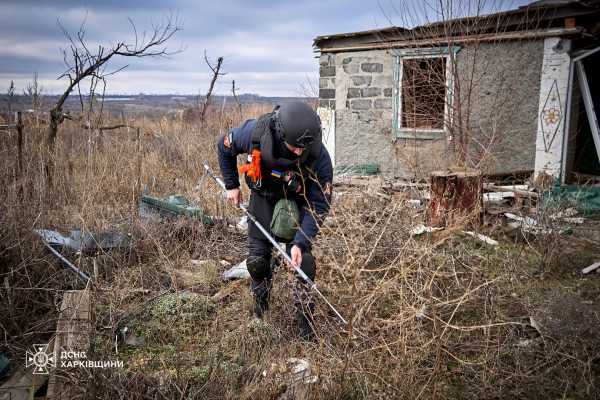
309 281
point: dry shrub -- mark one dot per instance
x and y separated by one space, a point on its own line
431 315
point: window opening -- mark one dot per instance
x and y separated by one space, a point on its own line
423 93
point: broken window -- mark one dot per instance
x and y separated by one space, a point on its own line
423 92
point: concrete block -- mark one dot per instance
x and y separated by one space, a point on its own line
327 71
353 60
360 105
353 93
361 80
370 92
327 93
383 104
326 59
371 67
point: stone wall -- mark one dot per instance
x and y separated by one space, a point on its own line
503 88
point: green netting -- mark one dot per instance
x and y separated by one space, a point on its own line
584 199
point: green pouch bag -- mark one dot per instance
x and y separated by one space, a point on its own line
285 219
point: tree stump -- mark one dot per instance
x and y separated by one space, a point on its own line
456 194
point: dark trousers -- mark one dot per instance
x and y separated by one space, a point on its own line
262 208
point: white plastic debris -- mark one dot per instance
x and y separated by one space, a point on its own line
199 262
528 224
414 202
295 374
497 197
527 342
591 268
417 230
242 223
421 313
238 271
481 237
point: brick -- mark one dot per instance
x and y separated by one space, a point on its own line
383 104
327 93
371 67
387 92
351 69
353 93
361 80
360 105
327 71
370 92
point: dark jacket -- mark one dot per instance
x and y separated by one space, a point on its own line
317 194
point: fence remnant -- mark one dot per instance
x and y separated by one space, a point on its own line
72 332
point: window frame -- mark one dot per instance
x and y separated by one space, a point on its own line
427 52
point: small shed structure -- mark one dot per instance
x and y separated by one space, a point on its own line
505 92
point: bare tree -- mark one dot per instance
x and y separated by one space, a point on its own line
82 63
472 96
233 89
216 74
308 91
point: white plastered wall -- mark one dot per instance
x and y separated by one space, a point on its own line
327 116
552 106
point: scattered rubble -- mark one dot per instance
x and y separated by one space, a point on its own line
295 377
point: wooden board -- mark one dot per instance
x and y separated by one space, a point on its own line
72 332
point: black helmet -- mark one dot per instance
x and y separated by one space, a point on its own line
297 123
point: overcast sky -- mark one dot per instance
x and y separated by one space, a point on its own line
267 45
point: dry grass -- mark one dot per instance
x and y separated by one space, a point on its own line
439 315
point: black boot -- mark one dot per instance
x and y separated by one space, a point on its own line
305 322
261 301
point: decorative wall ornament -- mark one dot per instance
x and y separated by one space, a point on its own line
551 116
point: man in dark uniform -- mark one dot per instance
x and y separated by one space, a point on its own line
294 165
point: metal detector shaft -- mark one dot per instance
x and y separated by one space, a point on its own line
309 281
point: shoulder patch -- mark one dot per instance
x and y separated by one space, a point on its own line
328 188
228 139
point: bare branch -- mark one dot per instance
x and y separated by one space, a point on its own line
80 63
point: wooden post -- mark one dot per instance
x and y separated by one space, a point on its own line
454 195
139 164
20 143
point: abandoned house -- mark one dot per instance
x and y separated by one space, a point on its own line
502 92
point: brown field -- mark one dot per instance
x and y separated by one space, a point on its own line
437 315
